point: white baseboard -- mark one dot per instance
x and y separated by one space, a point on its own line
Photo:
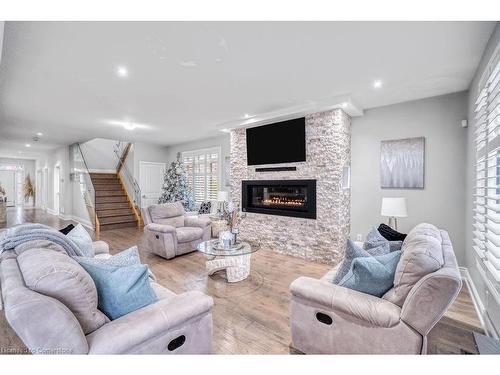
51 211
84 222
485 321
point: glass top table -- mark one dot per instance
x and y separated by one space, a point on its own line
211 248
235 262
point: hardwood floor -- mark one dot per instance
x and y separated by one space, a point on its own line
252 316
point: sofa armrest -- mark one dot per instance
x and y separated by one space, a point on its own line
100 247
129 331
200 222
366 307
161 228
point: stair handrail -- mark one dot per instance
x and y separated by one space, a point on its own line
119 152
89 195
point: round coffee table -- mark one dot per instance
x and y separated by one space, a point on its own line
236 262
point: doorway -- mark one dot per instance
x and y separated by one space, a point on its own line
57 185
150 181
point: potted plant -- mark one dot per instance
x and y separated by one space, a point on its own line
29 190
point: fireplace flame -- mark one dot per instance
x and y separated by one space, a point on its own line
284 201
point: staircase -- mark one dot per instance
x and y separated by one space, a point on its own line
113 206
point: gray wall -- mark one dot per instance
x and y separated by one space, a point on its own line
493 309
222 141
442 201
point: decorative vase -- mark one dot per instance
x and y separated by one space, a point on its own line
234 232
226 239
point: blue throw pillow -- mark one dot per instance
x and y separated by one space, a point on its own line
374 239
372 275
352 251
121 289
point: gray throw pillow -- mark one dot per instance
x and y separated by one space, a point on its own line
353 251
375 240
82 239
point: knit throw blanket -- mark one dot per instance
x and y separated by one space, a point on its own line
22 233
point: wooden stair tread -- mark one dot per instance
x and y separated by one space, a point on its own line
110 193
117 199
104 187
114 212
118 225
118 219
111 205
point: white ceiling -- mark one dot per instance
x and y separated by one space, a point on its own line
188 79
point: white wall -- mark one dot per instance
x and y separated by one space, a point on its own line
442 201
99 154
222 141
2 24
492 307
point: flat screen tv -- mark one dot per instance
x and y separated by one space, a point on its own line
281 142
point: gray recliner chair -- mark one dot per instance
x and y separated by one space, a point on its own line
51 303
330 319
171 232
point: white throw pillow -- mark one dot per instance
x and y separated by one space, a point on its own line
82 239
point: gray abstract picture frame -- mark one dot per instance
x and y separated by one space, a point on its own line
402 163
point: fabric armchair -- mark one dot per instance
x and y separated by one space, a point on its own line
330 319
171 232
159 328
55 320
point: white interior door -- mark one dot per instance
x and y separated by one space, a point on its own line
38 189
57 192
8 182
45 188
150 181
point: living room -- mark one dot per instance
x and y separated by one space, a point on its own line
249 187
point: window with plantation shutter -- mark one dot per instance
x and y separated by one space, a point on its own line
203 168
486 216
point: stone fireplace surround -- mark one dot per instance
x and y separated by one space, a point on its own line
328 138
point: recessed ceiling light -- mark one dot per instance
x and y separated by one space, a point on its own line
225 130
377 84
27 145
246 115
39 134
344 105
122 71
127 124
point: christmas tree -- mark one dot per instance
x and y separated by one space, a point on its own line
175 186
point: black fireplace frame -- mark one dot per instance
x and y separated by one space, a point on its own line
311 198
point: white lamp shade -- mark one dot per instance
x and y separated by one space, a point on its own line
222 196
394 207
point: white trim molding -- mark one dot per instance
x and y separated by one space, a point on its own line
51 211
485 321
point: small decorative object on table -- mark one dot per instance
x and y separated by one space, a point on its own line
233 217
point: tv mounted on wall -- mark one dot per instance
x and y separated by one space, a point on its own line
281 142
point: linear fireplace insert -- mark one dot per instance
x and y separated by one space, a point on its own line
296 198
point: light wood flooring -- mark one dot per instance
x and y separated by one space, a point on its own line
252 316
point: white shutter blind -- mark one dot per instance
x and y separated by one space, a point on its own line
203 173
486 218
